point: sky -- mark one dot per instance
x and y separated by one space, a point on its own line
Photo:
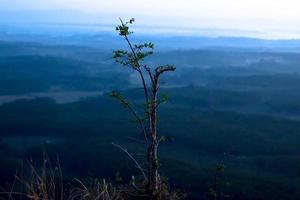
273 17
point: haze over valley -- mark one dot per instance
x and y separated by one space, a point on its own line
234 99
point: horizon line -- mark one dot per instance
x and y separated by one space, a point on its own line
163 31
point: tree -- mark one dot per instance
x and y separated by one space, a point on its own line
150 80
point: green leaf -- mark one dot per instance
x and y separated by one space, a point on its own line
119 97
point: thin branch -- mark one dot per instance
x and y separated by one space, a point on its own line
139 69
126 104
150 73
132 158
160 70
138 118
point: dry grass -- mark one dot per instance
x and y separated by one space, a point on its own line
95 191
46 183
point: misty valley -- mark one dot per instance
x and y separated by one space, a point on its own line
229 104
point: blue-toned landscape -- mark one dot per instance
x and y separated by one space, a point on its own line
229 117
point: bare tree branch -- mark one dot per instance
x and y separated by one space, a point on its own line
132 158
161 69
126 104
149 73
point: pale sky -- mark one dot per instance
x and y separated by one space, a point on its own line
277 16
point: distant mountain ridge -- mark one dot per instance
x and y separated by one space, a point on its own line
77 28
70 35
92 20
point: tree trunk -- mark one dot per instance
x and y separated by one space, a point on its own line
154 177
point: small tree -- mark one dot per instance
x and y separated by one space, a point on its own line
150 80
